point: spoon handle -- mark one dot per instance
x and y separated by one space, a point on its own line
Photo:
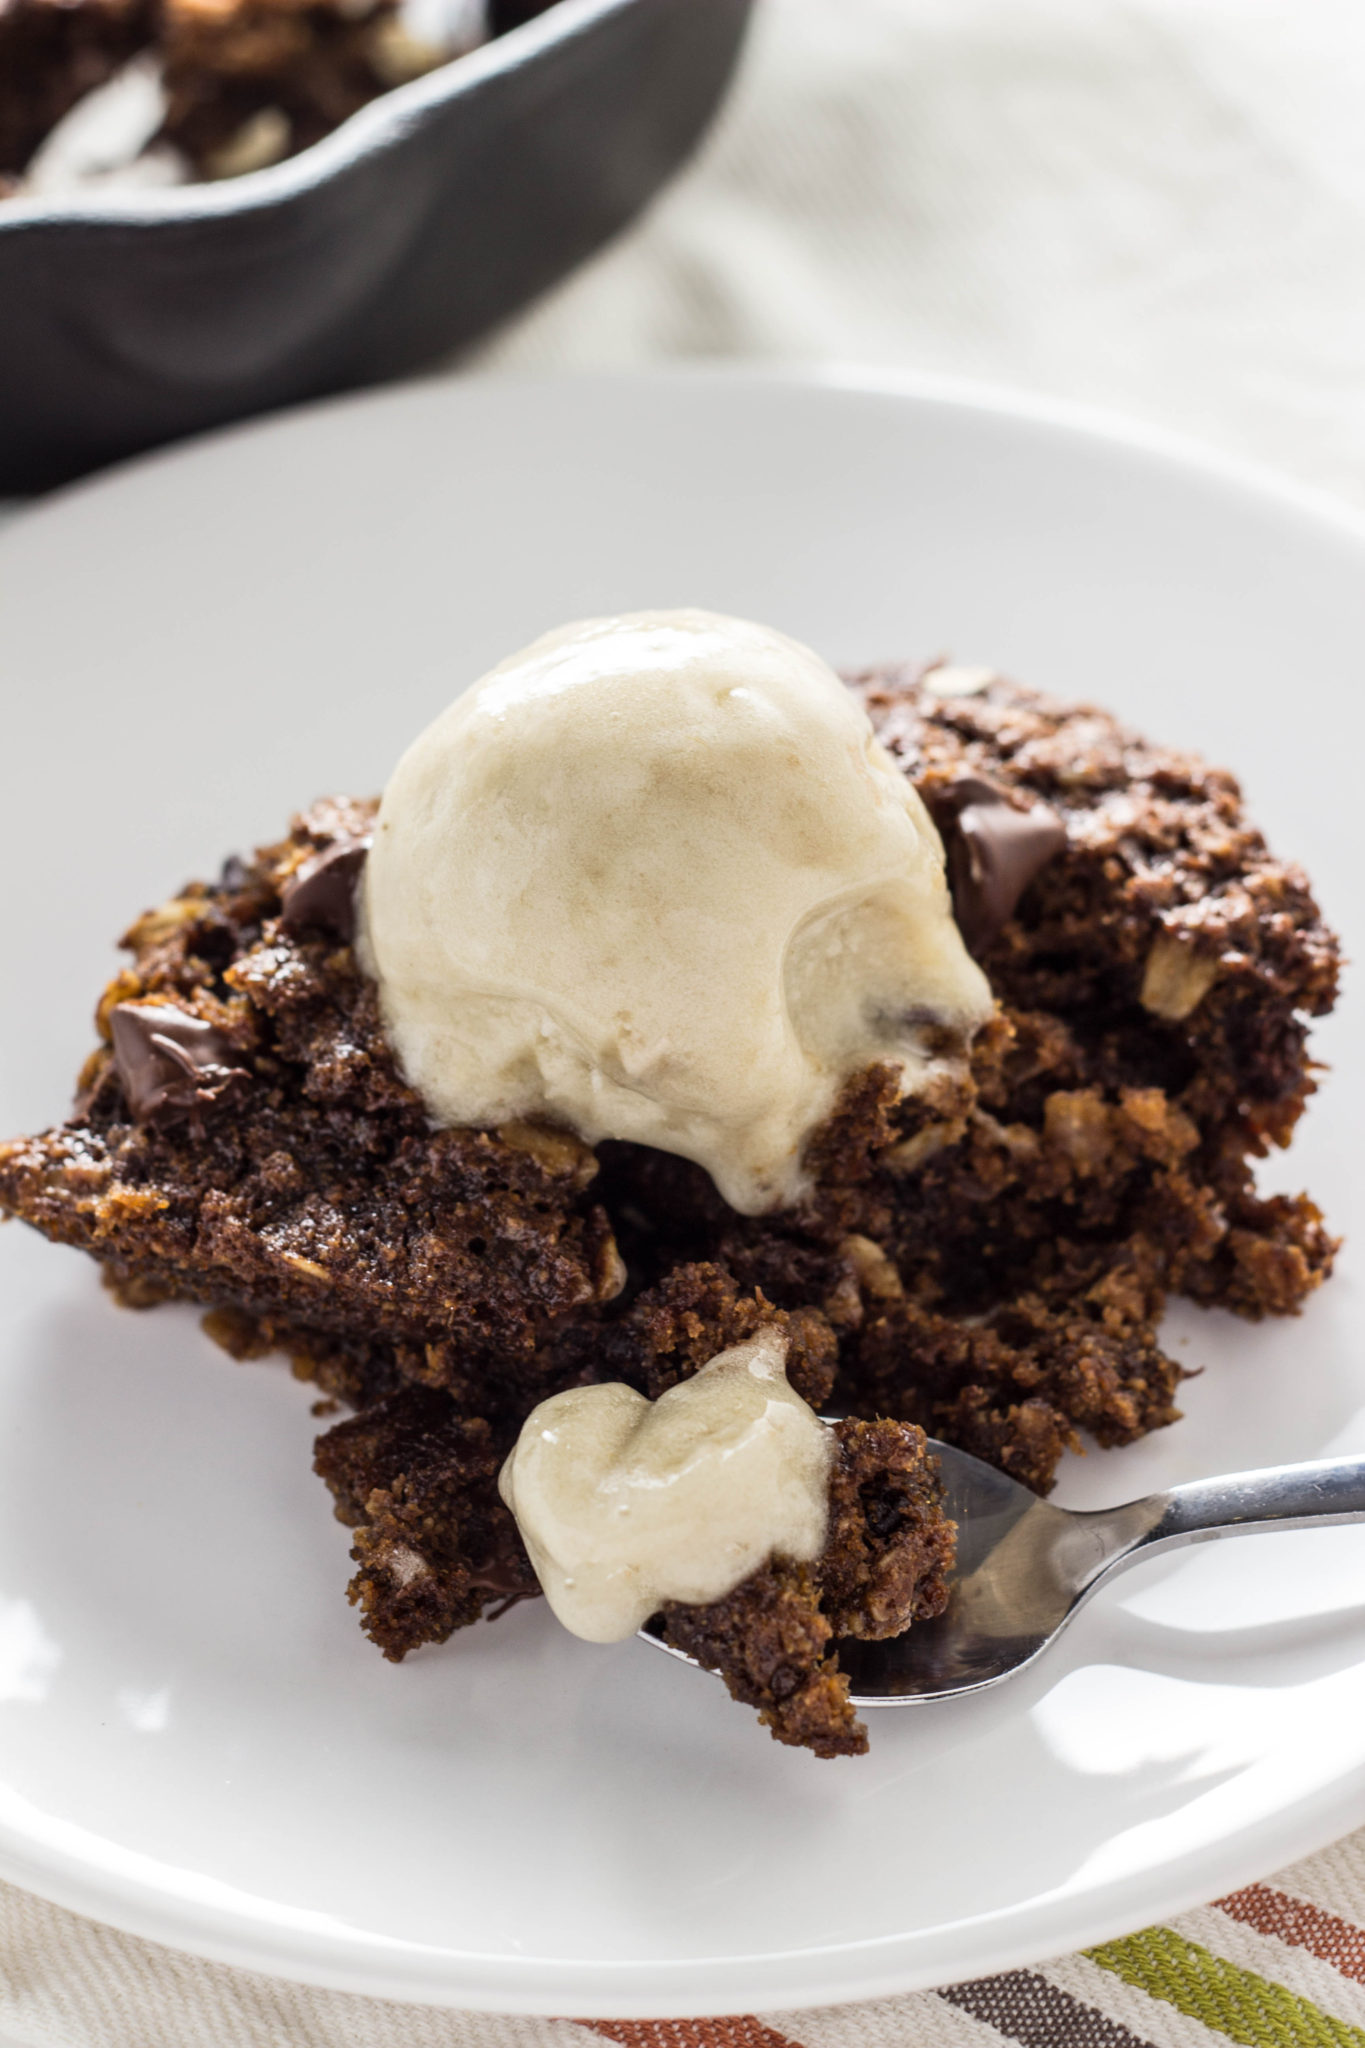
1313 1496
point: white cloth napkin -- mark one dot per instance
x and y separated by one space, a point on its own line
1150 205
1155 205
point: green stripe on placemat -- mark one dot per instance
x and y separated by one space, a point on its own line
1234 2002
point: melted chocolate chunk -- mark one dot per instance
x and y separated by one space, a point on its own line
509 1580
320 897
510 1576
170 1062
994 851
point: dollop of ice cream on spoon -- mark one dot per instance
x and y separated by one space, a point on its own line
625 1503
655 878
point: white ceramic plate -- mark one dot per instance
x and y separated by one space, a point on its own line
195 1741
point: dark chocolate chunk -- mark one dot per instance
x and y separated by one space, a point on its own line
508 1579
994 850
508 1575
320 896
170 1062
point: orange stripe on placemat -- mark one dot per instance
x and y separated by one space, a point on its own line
742 2030
1301 1925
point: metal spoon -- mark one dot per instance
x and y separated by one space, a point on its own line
1025 1567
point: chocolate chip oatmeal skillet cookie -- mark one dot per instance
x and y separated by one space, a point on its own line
688 1043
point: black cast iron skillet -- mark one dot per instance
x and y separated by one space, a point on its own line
430 215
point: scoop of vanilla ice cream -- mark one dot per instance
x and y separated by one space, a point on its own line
655 878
